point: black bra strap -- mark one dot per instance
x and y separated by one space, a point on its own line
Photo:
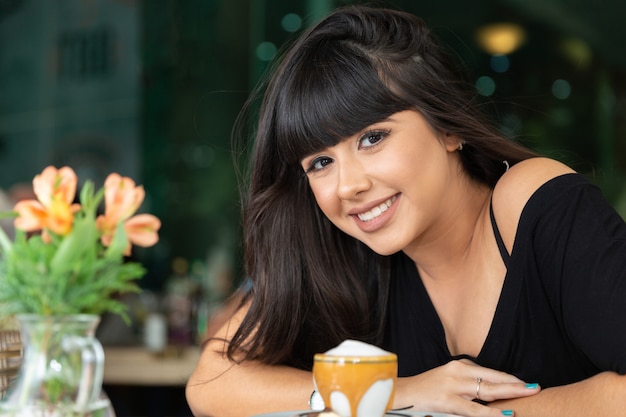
496 232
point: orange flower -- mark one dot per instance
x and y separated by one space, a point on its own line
142 229
122 199
53 210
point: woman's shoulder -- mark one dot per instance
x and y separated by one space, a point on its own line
515 188
521 181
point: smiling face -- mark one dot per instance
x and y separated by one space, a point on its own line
388 185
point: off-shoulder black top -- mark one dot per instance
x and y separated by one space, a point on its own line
561 316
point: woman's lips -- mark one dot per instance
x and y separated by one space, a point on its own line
378 216
376 211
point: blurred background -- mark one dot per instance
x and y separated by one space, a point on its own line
150 89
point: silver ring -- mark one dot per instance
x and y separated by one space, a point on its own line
478 381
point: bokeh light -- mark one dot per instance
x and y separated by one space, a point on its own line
266 51
291 22
577 52
561 89
485 85
500 63
501 38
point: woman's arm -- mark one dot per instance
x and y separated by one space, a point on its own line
601 395
219 387
591 294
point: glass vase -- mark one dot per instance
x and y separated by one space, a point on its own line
62 369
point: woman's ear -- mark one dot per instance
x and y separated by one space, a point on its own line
452 142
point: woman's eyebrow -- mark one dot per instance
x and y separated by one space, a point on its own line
389 119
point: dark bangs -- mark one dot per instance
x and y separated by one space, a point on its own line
330 92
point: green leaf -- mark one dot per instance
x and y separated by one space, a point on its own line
5 242
76 243
8 214
118 244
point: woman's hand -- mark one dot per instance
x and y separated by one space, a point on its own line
461 387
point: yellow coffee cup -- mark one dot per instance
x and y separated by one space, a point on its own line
356 379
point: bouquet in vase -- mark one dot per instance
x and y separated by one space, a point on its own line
66 265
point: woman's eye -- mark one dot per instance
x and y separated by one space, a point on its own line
370 139
319 163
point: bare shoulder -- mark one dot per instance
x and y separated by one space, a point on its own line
516 186
524 178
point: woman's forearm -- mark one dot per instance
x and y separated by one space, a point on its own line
220 388
602 395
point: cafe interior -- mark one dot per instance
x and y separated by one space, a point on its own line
152 89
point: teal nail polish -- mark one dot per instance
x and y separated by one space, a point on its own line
532 386
507 412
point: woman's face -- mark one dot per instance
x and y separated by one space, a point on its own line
389 184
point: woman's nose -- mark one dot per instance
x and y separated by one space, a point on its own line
353 179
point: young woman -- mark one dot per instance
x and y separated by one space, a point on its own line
382 206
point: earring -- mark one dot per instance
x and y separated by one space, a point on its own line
460 148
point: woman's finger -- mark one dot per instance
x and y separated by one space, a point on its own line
461 407
485 390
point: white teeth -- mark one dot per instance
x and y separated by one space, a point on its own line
376 211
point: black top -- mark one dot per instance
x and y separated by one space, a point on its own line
561 316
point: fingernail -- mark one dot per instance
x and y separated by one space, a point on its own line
507 412
532 386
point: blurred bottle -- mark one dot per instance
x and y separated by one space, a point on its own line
180 293
155 332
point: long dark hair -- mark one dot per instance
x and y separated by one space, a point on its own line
312 285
